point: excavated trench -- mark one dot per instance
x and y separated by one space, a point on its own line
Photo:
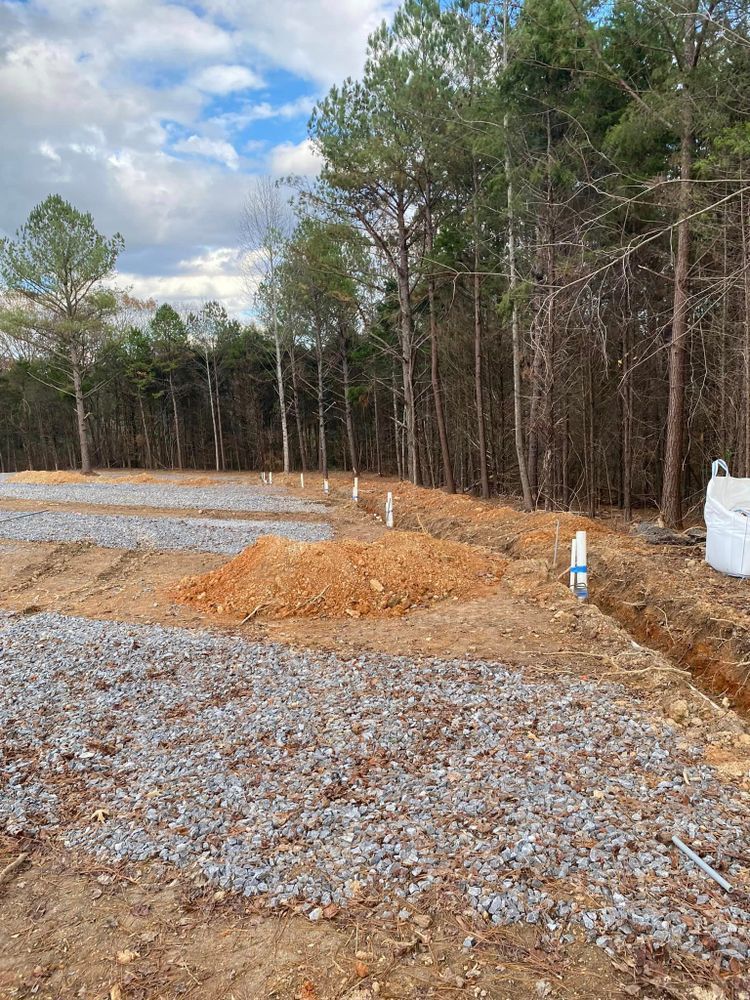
666 598
713 642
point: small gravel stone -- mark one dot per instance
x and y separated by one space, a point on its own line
308 777
226 496
119 531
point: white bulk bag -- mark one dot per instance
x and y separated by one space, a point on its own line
727 515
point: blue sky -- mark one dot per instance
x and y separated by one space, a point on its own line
156 116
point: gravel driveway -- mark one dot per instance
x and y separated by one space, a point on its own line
201 534
225 497
293 776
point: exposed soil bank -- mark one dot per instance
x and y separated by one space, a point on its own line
667 598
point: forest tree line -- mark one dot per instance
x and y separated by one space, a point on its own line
523 269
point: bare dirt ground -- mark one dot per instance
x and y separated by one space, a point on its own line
71 929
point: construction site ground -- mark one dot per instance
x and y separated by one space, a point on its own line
659 622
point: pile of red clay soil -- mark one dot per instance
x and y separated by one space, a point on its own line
140 477
51 478
278 578
57 478
146 477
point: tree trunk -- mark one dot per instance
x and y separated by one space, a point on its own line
478 396
674 448
322 445
344 346
213 413
407 349
523 471
745 224
83 435
280 379
396 428
298 421
146 438
218 415
517 352
449 484
626 394
178 441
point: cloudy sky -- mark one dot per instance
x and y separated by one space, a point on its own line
155 116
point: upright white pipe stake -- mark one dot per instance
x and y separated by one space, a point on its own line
270 479
263 478
355 490
582 573
302 480
326 487
572 582
389 510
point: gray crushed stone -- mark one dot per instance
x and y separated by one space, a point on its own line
297 776
229 496
201 534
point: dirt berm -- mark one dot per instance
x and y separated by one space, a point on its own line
667 597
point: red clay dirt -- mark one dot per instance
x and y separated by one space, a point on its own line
64 920
401 571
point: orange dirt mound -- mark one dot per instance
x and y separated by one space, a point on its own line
146 477
278 578
51 478
141 477
201 481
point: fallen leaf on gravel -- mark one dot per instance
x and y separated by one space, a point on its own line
361 969
100 815
308 991
126 957
330 911
115 993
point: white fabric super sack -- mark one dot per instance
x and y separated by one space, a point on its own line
727 516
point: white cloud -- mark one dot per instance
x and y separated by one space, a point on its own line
226 79
212 274
212 149
260 111
322 40
139 111
294 158
48 150
165 32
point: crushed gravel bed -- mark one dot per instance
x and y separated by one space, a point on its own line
305 776
224 497
120 531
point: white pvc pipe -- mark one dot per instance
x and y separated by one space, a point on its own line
326 487
690 853
389 510
270 479
302 480
265 481
355 489
582 572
